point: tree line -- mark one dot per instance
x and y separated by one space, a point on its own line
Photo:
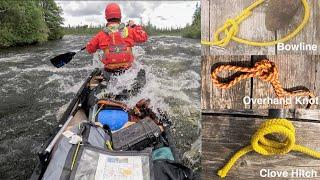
192 30
29 22
34 21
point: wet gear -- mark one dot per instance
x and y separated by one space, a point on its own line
113 11
165 169
112 114
60 164
162 153
114 118
93 155
145 133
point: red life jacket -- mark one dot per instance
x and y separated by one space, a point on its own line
118 55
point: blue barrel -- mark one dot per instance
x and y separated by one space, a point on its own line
114 118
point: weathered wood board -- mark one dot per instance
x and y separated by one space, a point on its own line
309 35
214 98
295 71
205 24
224 135
216 12
301 114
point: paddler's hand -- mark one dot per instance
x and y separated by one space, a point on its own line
131 24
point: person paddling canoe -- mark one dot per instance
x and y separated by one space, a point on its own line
116 40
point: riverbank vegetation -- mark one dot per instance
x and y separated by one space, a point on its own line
29 22
192 30
34 21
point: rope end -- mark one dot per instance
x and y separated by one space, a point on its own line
222 173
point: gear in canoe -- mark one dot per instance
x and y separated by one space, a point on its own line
106 139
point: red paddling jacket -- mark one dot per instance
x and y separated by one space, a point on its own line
117 40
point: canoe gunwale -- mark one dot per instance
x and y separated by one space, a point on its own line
44 154
75 105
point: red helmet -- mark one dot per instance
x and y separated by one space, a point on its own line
113 11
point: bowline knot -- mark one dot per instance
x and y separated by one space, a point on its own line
228 31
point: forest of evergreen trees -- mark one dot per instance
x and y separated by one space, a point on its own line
34 21
190 31
29 22
194 30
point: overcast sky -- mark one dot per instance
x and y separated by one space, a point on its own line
159 13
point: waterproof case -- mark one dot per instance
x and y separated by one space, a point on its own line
98 164
144 133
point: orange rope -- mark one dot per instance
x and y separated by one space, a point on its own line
264 70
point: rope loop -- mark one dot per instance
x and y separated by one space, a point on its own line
261 144
267 147
265 70
231 28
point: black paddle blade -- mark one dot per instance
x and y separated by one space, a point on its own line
62 59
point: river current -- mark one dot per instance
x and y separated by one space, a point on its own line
34 94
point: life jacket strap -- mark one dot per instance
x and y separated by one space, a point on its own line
109 103
118 28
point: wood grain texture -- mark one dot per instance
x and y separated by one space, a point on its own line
205 24
253 28
303 115
222 136
308 34
214 98
221 10
295 72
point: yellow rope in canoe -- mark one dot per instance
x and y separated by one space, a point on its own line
75 156
231 29
109 145
268 147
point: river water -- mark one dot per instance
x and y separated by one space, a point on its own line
34 94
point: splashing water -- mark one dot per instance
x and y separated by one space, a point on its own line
34 94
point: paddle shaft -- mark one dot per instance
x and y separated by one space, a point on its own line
82 49
65 58
63 128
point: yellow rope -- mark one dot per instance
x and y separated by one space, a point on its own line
231 29
109 145
75 156
268 147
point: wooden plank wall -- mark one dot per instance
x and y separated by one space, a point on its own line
309 34
224 135
216 12
214 98
294 71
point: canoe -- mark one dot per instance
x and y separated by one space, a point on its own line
77 112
